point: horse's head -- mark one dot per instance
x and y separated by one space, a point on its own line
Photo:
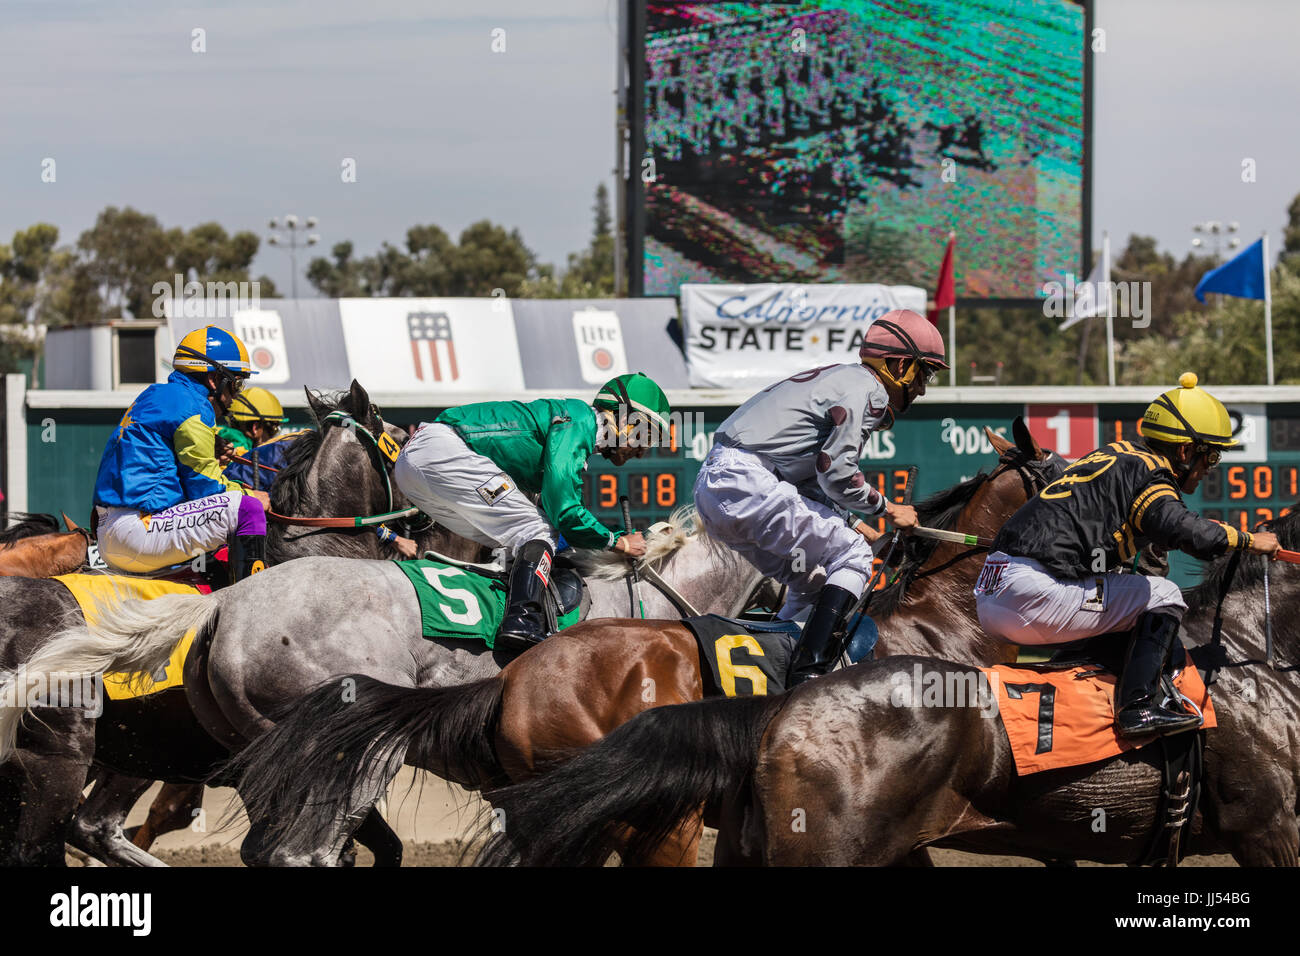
341 470
979 505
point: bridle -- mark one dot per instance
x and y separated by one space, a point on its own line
1032 476
383 455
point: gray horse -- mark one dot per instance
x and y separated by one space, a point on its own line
256 652
336 472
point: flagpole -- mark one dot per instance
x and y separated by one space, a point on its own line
952 319
1110 309
1268 313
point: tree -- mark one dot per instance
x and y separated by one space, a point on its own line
1291 237
127 252
590 273
486 258
124 253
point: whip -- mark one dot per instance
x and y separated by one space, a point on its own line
634 584
974 540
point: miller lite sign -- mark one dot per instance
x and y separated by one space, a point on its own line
598 335
263 332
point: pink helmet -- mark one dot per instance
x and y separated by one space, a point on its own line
904 334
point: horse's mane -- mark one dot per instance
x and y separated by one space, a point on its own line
1250 570
290 484
23 525
684 526
940 510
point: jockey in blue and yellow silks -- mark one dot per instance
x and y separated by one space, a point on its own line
160 496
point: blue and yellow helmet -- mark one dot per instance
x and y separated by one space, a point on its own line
212 347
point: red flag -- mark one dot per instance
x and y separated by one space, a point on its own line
945 294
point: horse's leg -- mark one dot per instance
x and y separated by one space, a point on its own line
1249 801
97 827
295 850
680 849
41 792
172 809
377 836
42 784
564 695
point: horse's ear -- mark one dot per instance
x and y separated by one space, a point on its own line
1025 441
1000 445
69 523
318 408
360 403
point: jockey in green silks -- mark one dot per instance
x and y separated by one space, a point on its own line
470 469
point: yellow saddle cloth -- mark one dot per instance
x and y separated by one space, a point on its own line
87 588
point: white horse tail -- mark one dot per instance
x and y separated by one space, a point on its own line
132 636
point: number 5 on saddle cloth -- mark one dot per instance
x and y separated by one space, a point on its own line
462 600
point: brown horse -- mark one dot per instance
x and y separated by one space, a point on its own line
577 687
841 772
34 547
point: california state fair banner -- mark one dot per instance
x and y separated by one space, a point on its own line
749 336
432 345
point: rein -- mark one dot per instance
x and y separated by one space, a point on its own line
256 464
1033 483
387 450
684 607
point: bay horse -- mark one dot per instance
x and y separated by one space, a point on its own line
333 753
158 737
874 779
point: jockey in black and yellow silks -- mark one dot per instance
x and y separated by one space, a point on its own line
1053 575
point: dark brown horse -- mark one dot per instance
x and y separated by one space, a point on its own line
322 756
839 773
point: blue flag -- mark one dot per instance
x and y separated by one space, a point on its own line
1242 276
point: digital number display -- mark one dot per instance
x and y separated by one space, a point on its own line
1242 482
657 490
1284 432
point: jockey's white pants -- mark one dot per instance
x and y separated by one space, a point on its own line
1019 601
785 535
136 543
466 492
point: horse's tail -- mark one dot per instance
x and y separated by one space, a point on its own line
632 790
319 759
133 636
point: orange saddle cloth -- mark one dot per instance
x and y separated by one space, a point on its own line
1066 718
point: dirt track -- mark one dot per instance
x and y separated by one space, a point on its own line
432 818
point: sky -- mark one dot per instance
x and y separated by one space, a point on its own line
444 130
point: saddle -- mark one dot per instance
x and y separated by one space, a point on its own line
743 658
471 603
1078 663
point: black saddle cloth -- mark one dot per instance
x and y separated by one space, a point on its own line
1105 652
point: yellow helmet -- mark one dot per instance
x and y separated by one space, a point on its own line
1188 414
256 404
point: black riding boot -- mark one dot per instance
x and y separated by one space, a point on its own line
525 620
823 636
246 555
1141 704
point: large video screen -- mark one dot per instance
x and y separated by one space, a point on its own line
841 141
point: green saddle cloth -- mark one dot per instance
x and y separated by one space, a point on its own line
458 602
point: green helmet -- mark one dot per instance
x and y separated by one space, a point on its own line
635 393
